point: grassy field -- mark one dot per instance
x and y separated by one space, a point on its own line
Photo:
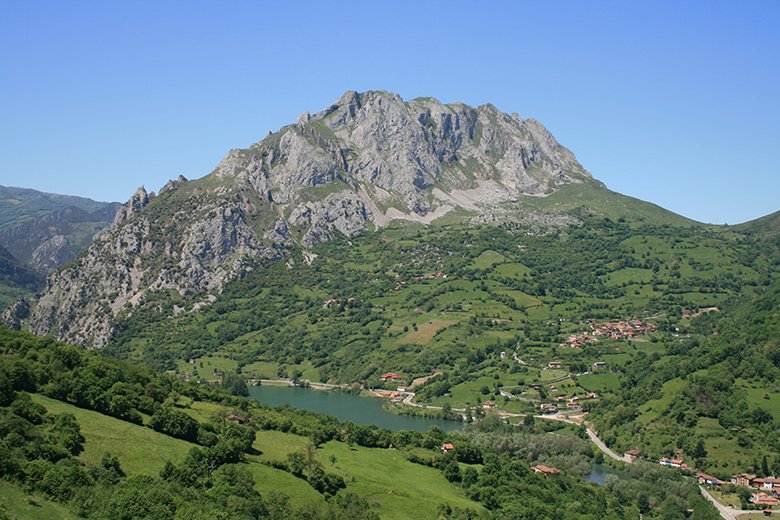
759 397
268 479
601 382
728 499
274 445
425 332
141 451
400 488
19 505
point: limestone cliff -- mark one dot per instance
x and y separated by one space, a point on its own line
366 160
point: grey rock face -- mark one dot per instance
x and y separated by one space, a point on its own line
51 253
342 212
366 160
136 203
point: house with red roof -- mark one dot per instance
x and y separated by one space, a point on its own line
767 484
743 479
673 463
762 499
546 470
708 480
631 455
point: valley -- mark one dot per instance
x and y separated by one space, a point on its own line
517 325
492 312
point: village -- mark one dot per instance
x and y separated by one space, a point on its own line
764 491
609 330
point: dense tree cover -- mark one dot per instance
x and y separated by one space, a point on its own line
655 491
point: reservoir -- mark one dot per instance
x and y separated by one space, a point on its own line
346 407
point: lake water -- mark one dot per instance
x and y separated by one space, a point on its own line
345 406
599 471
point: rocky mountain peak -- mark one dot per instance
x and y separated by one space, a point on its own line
137 202
366 160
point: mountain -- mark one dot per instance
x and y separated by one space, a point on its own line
52 239
368 160
21 204
44 230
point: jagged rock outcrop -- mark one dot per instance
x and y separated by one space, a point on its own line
366 160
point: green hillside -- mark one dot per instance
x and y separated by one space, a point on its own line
446 301
591 200
18 205
766 226
722 390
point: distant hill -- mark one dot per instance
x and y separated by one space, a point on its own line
44 230
52 239
21 204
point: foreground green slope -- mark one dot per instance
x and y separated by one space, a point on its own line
109 439
16 504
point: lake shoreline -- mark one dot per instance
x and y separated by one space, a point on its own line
345 406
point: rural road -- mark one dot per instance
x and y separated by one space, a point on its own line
604 448
726 512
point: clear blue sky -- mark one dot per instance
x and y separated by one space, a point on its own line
675 102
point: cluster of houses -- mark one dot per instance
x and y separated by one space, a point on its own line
572 403
609 330
767 488
434 276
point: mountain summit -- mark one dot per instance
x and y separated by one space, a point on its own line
368 159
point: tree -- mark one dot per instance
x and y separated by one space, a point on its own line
699 451
235 384
174 423
296 463
643 503
452 471
469 477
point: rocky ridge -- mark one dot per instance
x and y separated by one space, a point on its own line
363 162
